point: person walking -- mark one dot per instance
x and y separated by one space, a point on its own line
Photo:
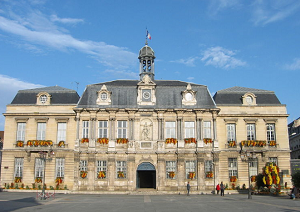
188 187
222 188
218 189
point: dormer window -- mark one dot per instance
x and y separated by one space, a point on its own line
43 98
249 99
189 96
104 96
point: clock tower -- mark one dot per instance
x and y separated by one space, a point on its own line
146 57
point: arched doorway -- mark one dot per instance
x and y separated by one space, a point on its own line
146 176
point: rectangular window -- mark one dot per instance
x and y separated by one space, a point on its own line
170 129
270 132
102 129
61 131
39 167
121 169
41 131
274 160
190 169
85 129
206 129
189 127
231 132
232 167
83 165
102 167
253 166
60 167
171 169
19 167
208 166
21 127
122 129
251 132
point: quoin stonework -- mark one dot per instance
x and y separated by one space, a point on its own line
127 135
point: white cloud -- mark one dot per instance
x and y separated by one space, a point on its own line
293 66
221 58
38 29
265 12
188 62
54 18
191 78
216 6
8 88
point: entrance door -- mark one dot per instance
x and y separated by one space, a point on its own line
146 176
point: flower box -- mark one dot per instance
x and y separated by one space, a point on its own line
192 175
190 140
84 140
171 141
232 143
272 143
207 140
18 179
61 144
20 144
209 174
120 174
253 143
37 143
102 140
59 180
38 180
171 174
233 179
101 175
122 140
83 174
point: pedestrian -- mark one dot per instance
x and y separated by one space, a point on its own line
294 192
218 188
222 188
188 187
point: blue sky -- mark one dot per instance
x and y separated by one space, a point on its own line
218 43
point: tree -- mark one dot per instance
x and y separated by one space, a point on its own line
296 179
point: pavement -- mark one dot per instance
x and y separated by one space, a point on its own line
17 201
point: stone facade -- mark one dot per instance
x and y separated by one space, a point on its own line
127 135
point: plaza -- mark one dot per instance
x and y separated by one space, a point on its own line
19 201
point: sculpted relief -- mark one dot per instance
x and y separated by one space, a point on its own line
146 130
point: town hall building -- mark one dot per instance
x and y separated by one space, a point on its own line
129 135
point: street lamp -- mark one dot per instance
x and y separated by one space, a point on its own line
248 157
43 157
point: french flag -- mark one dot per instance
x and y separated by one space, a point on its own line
148 35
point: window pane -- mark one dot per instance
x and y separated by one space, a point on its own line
19 167
250 131
189 129
21 131
170 130
61 131
60 167
206 129
41 131
231 132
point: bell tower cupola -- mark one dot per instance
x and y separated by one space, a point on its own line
146 57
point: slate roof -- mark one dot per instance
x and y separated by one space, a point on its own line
59 95
124 95
233 96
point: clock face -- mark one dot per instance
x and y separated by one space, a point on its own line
189 96
146 94
43 99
